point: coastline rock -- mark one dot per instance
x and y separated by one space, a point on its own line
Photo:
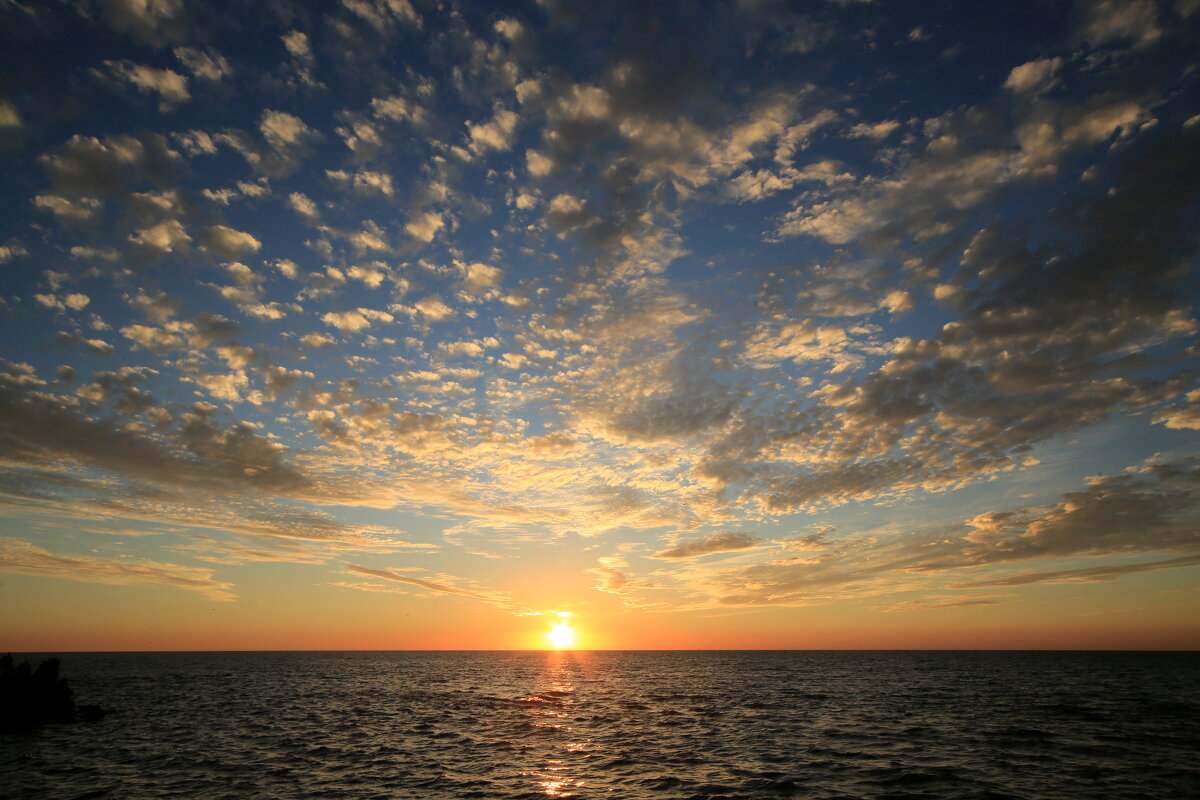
90 713
30 697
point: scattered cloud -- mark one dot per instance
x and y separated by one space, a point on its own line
221 240
432 586
355 320
170 86
28 559
706 281
720 543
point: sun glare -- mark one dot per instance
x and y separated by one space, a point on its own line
562 635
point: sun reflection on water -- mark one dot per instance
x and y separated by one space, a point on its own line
556 774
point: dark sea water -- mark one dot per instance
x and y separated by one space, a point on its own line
620 725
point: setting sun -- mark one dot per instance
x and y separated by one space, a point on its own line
562 635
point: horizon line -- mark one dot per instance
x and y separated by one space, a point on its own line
640 650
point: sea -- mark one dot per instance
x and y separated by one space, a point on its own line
701 725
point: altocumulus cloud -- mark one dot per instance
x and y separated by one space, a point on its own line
434 264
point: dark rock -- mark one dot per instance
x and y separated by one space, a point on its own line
90 713
30 697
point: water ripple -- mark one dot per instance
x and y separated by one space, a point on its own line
694 726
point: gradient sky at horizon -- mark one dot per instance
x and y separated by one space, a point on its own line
399 324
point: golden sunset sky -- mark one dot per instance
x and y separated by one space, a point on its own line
390 324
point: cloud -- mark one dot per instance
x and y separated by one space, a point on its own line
898 301
1107 572
931 194
1107 21
315 341
189 471
453 349
171 336
76 301
1101 518
303 205
612 580
479 279
981 390
396 109
10 118
1034 76
361 136
230 386
752 185
495 134
205 64
170 86
286 142
221 240
168 236
433 308
66 209
96 346
28 559
41 430
877 130
158 307
355 320
195 143
565 206
382 15
282 130
721 543
1151 509
943 601
365 182
153 22
621 343
538 164
298 45
433 586
86 165
425 225
1184 416
10 251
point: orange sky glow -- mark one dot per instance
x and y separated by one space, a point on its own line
391 325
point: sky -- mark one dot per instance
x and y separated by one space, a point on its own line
407 324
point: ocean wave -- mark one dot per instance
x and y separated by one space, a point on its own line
638 726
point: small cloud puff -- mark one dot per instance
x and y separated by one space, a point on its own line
355 319
170 86
424 226
227 242
1034 77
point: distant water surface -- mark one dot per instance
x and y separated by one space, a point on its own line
620 725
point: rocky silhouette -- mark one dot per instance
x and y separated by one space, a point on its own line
30 697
